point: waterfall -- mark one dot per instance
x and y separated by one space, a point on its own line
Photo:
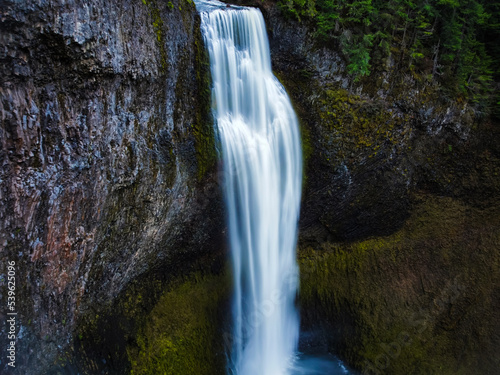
262 169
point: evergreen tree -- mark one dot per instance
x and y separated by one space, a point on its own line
453 41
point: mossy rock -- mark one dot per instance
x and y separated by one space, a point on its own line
423 300
182 334
172 326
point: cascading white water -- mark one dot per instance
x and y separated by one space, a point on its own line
262 164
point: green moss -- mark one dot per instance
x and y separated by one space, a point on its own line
163 323
412 291
181 335
203 128
307 147
158 28
361 124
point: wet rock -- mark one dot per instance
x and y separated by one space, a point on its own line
100 157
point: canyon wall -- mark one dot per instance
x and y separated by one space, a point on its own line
107 154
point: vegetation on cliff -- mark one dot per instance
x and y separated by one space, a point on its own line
451 41
182 334
420 301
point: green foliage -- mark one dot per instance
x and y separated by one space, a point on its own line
203 128
357 48
456 41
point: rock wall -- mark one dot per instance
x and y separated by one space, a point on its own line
398 230
423 300
369 143
107 158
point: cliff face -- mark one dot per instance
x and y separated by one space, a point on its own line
371 143
399 233
107 157
399 225
423 300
